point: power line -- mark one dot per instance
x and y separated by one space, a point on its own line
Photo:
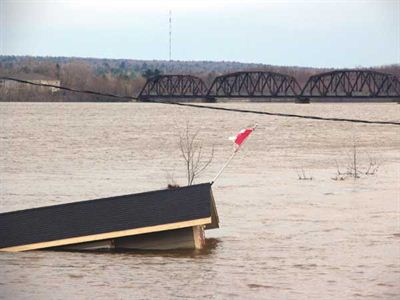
70 89
199 106
284 114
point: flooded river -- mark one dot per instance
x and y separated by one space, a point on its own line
280 237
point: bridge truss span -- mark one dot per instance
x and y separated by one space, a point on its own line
173 86
254 84
352 83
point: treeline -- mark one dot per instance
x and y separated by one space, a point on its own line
123 76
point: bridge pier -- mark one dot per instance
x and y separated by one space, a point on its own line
302 100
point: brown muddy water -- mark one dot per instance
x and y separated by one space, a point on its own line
280 237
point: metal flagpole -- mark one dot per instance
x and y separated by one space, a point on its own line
231 157
226 164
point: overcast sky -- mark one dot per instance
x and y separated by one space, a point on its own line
303 33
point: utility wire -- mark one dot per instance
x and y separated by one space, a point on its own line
284 114
69 89
208 106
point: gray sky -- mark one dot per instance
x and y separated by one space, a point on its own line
304 33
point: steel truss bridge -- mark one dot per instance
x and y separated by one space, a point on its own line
173 86
261 84
352 83
254 85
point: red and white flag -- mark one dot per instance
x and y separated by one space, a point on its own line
238 140
242 136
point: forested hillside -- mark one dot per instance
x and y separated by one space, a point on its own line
123 76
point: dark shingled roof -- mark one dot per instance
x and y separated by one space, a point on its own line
105 215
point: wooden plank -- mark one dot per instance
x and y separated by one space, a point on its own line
103 245
199 237
108 235
214 214
165 240
183 238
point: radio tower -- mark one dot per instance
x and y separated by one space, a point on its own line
170 34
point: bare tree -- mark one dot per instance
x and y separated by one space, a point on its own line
302 175
339 174
353 166
373 166
172 184
191 149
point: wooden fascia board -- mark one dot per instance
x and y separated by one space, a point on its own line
108 235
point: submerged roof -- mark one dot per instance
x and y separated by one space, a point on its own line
107 218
